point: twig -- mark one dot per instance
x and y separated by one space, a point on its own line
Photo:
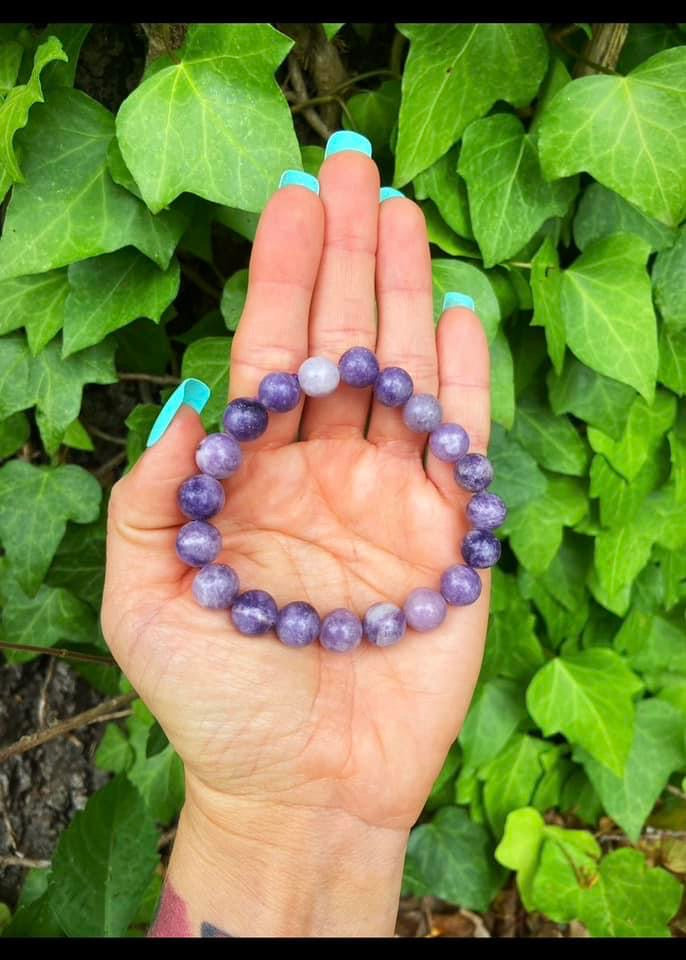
582 58
602 51
163 380
329 98
200 281
650 834
110 464
97 432
57 652
676 791
25 862
300 88
104 711
167 838
42 700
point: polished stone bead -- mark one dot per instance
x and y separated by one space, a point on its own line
279 392
460 585
393 387
298 624
254 612
198 543
245 419
384 624
486 511
481 549
219 455
318 376
449 442
358 367
474 472
200 497
216 586
422 413
341 631
425 609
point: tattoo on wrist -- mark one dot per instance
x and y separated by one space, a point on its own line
171 919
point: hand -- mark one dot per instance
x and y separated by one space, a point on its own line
321 512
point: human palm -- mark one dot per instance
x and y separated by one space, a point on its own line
332 506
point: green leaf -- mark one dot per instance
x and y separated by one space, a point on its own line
512 647
443 236
445 85
495 713
14 432
214 122
241 222
331 29
602 212
652 643
114 752
143 346
139 422
109 291
620 500
312 158
669 283
588 698
36 303
208 360
567 866
502 382
627 132
518 480
550 439
600 401
10 60
508 197
103 863
511 778
646 427
442 183
546 290
77 437
644 40
35 504
579 797
71 36
51 615
453 858
374 114
118 170
519 848
159 778
456 275
79 563
233 298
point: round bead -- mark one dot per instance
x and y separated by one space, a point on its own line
384 624
486 511
460 585
425 609
279 392
474 472
393 387
358 367
298 624
318 376
481 549
422 413
341 631
254 612
200 497
198 543
245 419
218 455
449 442
216 586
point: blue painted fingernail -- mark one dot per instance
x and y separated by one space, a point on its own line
347 140
387 193
193 392
298 178
457 300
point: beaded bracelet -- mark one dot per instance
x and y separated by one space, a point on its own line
297 624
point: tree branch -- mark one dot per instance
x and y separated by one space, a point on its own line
58 652
26 862
602 51
163 381
300 89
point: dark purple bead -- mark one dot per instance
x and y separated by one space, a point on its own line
198 543
216 586
422 413
481 549
425 609
393 387
341 631
358 367
474 472
486 511
449 442
254 612
219 455
460 585
245 419
384 624
279 392
200 497
298 624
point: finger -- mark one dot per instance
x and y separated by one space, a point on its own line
406 330
343 311
273 330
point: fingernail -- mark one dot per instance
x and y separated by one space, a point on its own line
387 193
347 140
193 392
457 300
298 178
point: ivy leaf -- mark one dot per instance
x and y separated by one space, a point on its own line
442 183
214 123
669 283
627 132
139 422
36 303
443 236
579 797
588 698
550 439
535 529
233 300
445 85
331 29
375 113
646 426
79 563
159 778
14 432
652 643
109 291
52 615
512 647
502 382
508 197
602 212
645 40
620 500
208 360
495 713
546 288
518 478
620 555
114 753
35 504
456 275
11 53
519 848
71 36
600 401
511 778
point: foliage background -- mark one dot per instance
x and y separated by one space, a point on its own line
132 173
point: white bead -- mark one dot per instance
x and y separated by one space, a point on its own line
318 377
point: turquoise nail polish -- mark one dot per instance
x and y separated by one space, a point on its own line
387 193
457 300
347 140
193 392
298 178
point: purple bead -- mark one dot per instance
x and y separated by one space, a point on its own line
218 455
425 609
245 419
449 442
422 413
481 549
298 624
460 585
216 586
198 543
486 511
279 392
341 631
200 497
384 624
254 612
393 387
474 472
358 367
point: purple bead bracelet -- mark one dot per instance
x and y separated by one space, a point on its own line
297 624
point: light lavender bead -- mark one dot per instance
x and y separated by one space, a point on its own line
198 543
219 455
393 387
422 413
200 497
298 624
449 442
425 609
341 631
279 392
318 376
216 586
481 549
474 472
358 367
254 612
486 511
460 585
384 624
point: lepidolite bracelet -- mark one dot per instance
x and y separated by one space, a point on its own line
298 624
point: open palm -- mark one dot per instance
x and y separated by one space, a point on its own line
332 505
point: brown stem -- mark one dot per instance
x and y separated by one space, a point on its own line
602 51
163 381
110 464
57 652
300 89
97 432
25 862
